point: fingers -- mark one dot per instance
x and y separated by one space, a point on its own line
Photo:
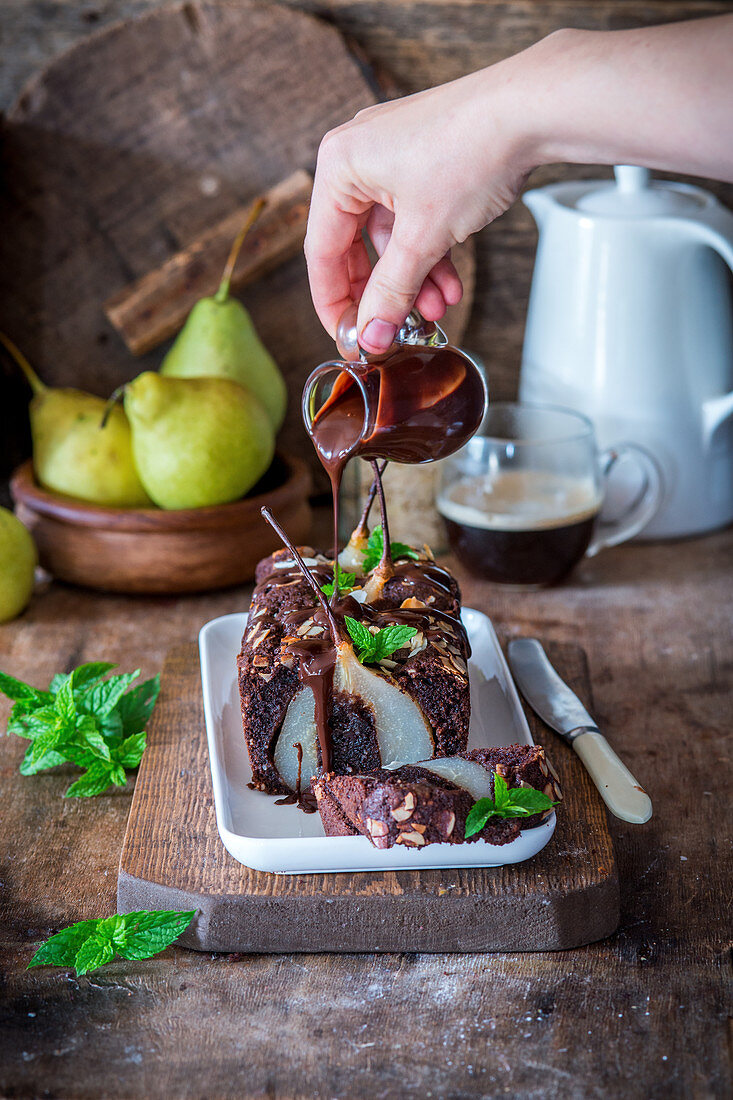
401 278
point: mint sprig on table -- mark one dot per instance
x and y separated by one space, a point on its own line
371 648
507 802
92 943
375 546
83 719
344 582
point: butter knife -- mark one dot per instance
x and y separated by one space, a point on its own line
558 706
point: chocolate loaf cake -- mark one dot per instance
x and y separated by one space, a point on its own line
309 704
428 803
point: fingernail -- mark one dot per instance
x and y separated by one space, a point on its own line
378 335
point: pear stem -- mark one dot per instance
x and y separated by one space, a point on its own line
32 378
252 215
361 527
115 399
332 624
385 569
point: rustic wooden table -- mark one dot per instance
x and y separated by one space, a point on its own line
643 1014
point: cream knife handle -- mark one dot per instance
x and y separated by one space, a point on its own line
622 794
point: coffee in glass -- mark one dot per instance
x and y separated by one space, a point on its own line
522 500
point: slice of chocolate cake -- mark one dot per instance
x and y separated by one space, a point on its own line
309 703
428 802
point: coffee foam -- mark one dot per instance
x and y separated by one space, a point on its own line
520 500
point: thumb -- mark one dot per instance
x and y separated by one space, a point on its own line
393 286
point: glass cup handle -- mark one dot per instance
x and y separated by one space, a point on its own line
643 505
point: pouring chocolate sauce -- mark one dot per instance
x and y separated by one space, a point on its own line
419 402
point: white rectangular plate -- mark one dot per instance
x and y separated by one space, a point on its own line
283 839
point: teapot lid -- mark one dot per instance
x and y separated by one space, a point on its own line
634 194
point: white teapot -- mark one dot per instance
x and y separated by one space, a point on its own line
631 322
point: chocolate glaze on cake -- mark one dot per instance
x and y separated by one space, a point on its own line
414 807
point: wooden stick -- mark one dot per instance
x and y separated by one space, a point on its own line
154 307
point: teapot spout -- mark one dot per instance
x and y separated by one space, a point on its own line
538 204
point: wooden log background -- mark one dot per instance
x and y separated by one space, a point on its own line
411 44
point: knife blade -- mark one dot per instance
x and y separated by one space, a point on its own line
558 706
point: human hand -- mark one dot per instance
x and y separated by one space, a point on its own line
419 175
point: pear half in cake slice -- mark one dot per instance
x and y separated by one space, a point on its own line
402 730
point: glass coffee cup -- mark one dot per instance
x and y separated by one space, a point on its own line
522 500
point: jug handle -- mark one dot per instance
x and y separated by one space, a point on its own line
714 227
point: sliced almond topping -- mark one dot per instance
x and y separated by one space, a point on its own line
266 676
412 601
304 628
552 771
260 661
549 790
260 638
401 814
412 839
450 820
376 828
419 828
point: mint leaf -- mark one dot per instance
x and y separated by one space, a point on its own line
50 759
501 792
104 697
526 801
94 952
375 546
17 690
148 933
129 753
136 706
61 949
86 675
373 647
64 703
90 944
342 581
508 802
100 775
478 815
392 638
363 639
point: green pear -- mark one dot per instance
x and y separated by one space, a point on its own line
197 441
219 340
72 453
17 565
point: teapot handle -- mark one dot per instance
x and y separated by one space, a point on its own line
714 227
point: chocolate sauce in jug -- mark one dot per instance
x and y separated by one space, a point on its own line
417 405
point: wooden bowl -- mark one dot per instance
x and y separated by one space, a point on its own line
149 550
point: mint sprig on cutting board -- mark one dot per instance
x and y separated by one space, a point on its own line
85 719
92 943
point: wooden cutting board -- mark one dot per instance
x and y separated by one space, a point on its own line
172 858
